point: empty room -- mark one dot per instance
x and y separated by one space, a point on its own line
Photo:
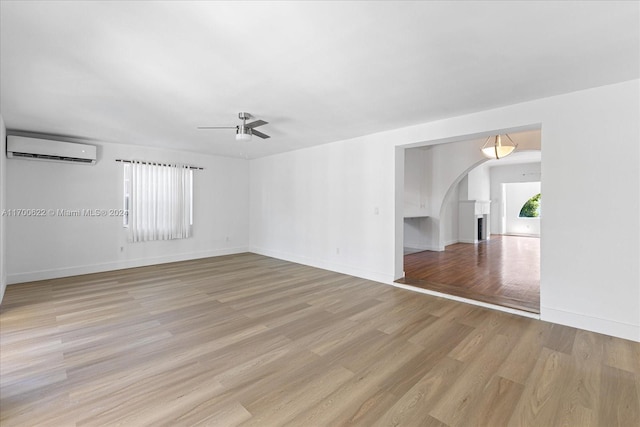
227 213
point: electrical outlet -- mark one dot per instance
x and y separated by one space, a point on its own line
337 251
121 248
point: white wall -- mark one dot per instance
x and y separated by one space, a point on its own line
416 182
419 220
527 172
450 217
474 186
307 204
516 195
328 206
417 232
3 185
427 233
450 164
52 246
417 186
463 188
479 187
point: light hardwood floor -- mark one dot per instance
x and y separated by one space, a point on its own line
250 340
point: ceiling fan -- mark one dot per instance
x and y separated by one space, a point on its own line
245 130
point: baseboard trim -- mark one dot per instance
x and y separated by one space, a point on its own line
32 276
467 241
423 247
595 324
375 276
521 235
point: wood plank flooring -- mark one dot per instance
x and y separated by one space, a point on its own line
504 270
254 341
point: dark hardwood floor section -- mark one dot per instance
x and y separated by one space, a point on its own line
254 341
504 270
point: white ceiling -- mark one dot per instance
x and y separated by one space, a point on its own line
148 73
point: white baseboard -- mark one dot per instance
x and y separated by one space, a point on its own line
521 234
415 245
590 323
375 276
32 276
424 247
467 241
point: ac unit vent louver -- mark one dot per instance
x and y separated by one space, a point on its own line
48 150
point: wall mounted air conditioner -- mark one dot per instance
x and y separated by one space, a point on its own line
21 147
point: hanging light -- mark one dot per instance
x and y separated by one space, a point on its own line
498 149
243 133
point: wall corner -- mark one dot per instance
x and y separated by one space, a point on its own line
3 219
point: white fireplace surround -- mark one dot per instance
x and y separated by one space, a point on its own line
469 212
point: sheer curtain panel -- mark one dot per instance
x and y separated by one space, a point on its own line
160 201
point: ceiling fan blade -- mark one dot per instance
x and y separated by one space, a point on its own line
217 127
255 124
259 134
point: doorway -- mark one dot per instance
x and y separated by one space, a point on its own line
489 257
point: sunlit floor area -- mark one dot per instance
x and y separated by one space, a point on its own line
504 270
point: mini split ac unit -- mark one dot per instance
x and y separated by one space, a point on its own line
20 147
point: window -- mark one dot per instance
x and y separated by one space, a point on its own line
158 201
531 208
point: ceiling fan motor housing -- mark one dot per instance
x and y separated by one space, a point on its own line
243 130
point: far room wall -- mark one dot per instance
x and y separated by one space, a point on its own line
500 175
474 186
479 183
54 246
516 195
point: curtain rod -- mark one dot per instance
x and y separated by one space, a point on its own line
159 164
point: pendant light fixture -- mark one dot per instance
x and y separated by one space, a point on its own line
499 148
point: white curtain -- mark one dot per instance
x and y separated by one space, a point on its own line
160 201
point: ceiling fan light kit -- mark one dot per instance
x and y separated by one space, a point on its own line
245 130
243 133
